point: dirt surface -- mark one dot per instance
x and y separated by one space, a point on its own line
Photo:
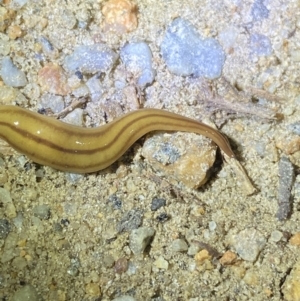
78 248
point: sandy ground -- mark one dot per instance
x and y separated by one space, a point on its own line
78 253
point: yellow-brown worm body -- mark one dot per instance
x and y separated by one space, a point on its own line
66 147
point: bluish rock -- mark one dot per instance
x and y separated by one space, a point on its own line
186 52
90 59
260 45
11 75
137 58
259 11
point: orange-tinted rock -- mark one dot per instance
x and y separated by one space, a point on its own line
120 15
228 258
52 79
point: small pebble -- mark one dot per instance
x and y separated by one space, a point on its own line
14 32
120 15
47 47
186 52
4 228
291 286
260 45
93 290
228 258
124 298
276 236
95 88
180 158
11 75
294 128
259 11
140 238
42 211
90 59
179 245
17 4
53 102
157 203
228 37
295 239
286 180
202 256
212 226
121 265
26 293
137 58
115 201
73 269
108 261
130 220
6 16
163 217
161 263
248 244
7 94
53 79
75 117
19 263
8 205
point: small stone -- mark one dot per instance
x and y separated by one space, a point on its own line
121 265
202 256
286 180
248 244
186 52
289 145
4 228
14 32
48 48
295 239
259 11
6 16
52 79
6 200
17 4
140 238
294 128
251 278
108 261
11 75
161 263
179 245
42 211
75 117
177 157
19 263
291 286
120 15
95 88
124 298
276 236
260 45
27 292
157 203
228 258
90 59
137 58
163 217
130 220
115 201
7 95
93 289
53 102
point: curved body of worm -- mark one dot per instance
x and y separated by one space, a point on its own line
65 147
